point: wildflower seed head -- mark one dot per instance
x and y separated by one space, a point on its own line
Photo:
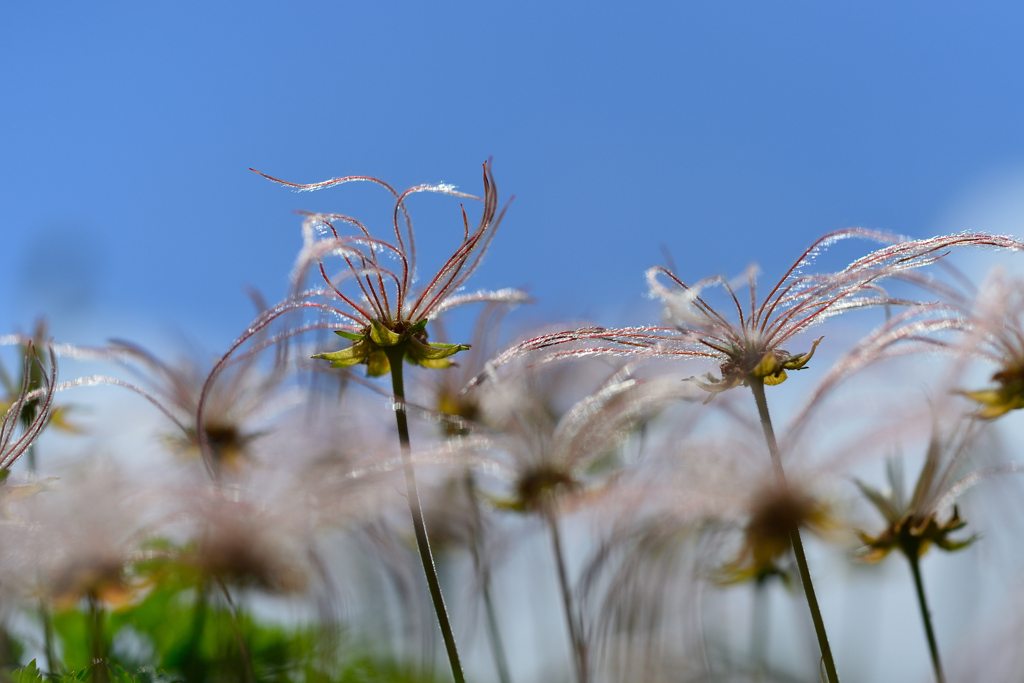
240 547
81 537
754 362
748 344
913 525
34 378
385 317
776 513
378 343
31 409
233 400
554 459
996 333
100 579
228 444
1006 396
536 489
457 405
913 537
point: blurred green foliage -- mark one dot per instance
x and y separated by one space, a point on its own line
184 631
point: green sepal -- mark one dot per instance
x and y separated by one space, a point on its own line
382 336
438 364
357 353
949 545
507 504
456 347
735 573
881 502
996 402
772 368
713 385
369 348
768 367
433 356
797 362
377 363
875 549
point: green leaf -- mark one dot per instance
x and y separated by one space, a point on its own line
72 626
27 674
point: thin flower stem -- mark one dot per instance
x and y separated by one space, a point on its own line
97 645
236 626
579 646
52 667
926 617
396 356
483 569
759 620
497 648
757 388
44 609
709 674
192 662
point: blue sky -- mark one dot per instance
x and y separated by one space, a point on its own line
727 132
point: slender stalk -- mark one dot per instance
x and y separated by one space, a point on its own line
759 629
7 658
192 661
483 570
236 626
396 356
705 658
579 646
97 646
926 617
51 661
44 609
757 388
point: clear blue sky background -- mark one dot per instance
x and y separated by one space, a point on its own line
728 132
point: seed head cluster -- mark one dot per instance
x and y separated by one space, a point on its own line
277 512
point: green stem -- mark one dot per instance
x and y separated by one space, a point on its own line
44 610
757 388
579 646
483 570
926 617
759 629
97 646
192 660
236 626
51 661
709 672
396 355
